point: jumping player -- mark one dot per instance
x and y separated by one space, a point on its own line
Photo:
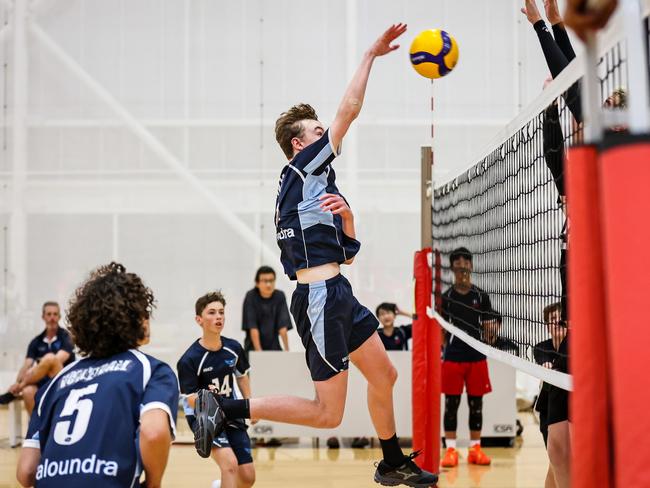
315 232
111 415
219 363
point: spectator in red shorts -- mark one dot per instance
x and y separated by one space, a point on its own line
467 307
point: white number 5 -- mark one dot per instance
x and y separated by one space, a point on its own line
74 403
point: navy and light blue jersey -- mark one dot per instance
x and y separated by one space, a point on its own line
86 421
39 346
199 368
307 235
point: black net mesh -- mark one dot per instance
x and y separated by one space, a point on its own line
508 210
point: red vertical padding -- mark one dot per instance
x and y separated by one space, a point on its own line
425 383
587 335
625 169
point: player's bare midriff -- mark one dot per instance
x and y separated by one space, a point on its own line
318 273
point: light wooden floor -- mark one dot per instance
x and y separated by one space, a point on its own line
523 466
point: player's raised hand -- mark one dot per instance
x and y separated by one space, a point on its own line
383 44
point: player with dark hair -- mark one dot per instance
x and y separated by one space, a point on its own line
467 307
545 353
217 362
315 232
394 338
109 416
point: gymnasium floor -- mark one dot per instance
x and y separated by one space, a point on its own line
523 466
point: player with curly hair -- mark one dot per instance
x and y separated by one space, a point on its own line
109 416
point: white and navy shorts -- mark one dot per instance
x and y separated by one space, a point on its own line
331 323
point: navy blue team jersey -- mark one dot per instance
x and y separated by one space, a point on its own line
39 346
199 368
307 235
86 421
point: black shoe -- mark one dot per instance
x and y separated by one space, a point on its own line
333 443
7 398
359 442
210 421
408 474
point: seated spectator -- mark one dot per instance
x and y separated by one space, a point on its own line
394 338
47 354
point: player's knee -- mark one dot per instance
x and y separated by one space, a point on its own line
475 412
392 375
246 476
48 359
29 392
330 418
229 467
451 412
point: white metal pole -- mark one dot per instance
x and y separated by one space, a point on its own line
637 62
591 110
222 209
17 221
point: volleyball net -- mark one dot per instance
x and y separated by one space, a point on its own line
509 210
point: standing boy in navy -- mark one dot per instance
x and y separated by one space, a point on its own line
215 362
316 235
111 415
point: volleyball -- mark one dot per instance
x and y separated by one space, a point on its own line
434 53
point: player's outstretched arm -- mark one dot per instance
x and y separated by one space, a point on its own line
353 99
155 440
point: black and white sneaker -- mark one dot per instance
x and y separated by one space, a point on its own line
210 421
408 474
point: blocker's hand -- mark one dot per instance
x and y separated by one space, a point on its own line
383 44
587 16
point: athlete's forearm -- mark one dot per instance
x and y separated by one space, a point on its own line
26 365
244 384
355 92
348 226
255 339
285 338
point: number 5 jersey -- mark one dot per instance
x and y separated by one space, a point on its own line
86 421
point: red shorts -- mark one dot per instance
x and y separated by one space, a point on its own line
474 375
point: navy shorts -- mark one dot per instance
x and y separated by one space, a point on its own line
331 323
236 439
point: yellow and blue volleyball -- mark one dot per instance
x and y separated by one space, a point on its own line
434 53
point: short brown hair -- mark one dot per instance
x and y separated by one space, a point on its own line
49 304
288 126
107 312
207 299
549 309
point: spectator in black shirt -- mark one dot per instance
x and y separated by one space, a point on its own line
265 316
467 307
394 338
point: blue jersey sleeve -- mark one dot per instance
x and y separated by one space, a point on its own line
32 438
66 345
189 383
242 367
315 157
162 392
